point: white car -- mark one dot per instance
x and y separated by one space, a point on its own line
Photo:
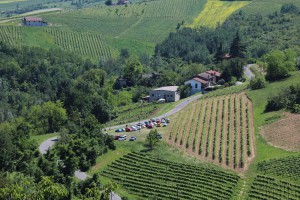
134 128
122 138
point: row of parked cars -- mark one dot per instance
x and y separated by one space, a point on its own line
124 137
146 124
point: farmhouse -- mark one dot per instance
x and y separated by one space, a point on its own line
203 81
169 93
33 21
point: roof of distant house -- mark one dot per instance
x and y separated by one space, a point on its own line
167 88
204 76
200 80
213 72
35 19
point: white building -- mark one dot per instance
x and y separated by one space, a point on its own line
169 93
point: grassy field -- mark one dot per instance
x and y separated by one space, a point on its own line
215 12
41 138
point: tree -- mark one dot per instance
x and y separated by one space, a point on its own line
124 53
237 48
133 71
108 189
184 91
280 63
152 139
257 82
220 53
108 2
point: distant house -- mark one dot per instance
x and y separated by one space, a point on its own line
33 21
203 81
169 93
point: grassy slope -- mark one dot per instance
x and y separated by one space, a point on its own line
263 150
137 27
41 138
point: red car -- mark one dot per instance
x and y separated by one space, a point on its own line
128 129
117 137
158 121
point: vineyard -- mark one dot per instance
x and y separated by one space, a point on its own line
82 43
219 130
267 188
11 34
288 167
216 12
284 133
135 113
147 177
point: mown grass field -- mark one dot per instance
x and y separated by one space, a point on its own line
215 12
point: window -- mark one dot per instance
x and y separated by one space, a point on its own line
153 95
171 95
167 95
196 85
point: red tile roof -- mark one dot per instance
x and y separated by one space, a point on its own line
213 72
31 19
200 80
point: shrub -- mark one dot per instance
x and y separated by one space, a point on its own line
257 83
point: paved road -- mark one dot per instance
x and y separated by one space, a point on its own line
248 72
176 109
47 144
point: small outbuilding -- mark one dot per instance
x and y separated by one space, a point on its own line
169 93
33 21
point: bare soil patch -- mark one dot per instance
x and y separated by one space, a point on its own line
285 133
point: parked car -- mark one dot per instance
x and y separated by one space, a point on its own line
159 136
134 128
119 130
132 138
122 138
165 124
158 125
152 120
157 121
128 129
117 137
138 127
161 101
150 126
162 120
167 120
146 122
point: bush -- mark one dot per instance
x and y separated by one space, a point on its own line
296 108
257 83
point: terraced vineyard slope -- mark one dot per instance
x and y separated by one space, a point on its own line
147 176
218 129
215 12
288 168
267 188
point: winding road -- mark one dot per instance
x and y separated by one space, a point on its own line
248 72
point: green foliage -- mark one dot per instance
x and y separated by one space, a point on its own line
47 118
18 186
280 64
288 98
237 49
184 91
257 82
108 2
152 139
133 71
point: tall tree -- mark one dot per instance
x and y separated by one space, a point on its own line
237 48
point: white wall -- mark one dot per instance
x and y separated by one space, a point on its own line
193 84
